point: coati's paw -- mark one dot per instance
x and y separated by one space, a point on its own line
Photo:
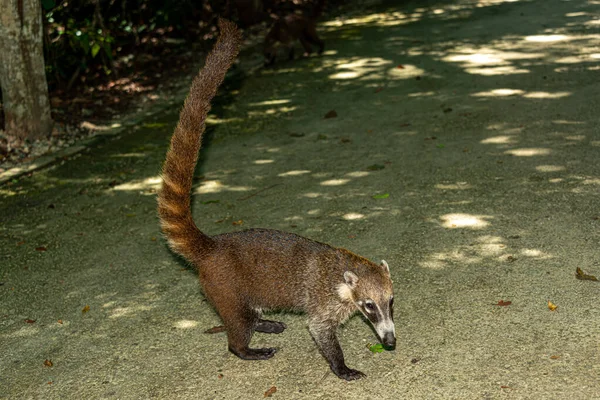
349 374
254 354
266 326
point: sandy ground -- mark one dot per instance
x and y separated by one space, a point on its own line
465 152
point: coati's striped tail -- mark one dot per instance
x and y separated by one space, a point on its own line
174 210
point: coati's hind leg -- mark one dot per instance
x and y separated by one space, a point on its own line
240 322
324 335
267 326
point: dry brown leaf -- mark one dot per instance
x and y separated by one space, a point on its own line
238 222
579 274
60 321
271 391
552 306
220 376
30 321
503 303
48 363
215 329
85 309
554 357
41 248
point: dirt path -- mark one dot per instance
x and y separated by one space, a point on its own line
464 152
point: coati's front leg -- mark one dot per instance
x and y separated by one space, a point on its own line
325 337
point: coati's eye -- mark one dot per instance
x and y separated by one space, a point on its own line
369 306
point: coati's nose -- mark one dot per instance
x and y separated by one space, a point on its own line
389 340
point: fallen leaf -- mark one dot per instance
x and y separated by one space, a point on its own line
552 306
30 321
400 66
41 248
238 222
331 114
579 274
215 329
48 363
554 357
220 376
22 242
60 321
505 387
503 303
381 196
375 348
85 309
270 392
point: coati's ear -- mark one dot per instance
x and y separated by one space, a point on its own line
385 266
351 279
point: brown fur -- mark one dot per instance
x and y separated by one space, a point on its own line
243 273
292 27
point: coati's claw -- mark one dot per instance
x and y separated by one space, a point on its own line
350 374
266 326
255 354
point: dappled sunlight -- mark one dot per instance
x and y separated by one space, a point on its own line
453 186
438 261
517 92
335 182
407 71
358 174
270 103
294 173
353 216
356 68
143 186
263 162
501 139
186 324
535 254
550 168
547 38
464 221
529 152
216 186
125 311
490 61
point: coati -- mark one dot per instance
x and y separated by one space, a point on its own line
244 273
290 28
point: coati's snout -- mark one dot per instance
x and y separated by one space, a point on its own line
373 295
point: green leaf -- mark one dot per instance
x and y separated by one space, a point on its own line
95 49
381 196
376 348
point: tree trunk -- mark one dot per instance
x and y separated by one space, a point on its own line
22 71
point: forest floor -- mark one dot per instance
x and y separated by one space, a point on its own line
464 151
